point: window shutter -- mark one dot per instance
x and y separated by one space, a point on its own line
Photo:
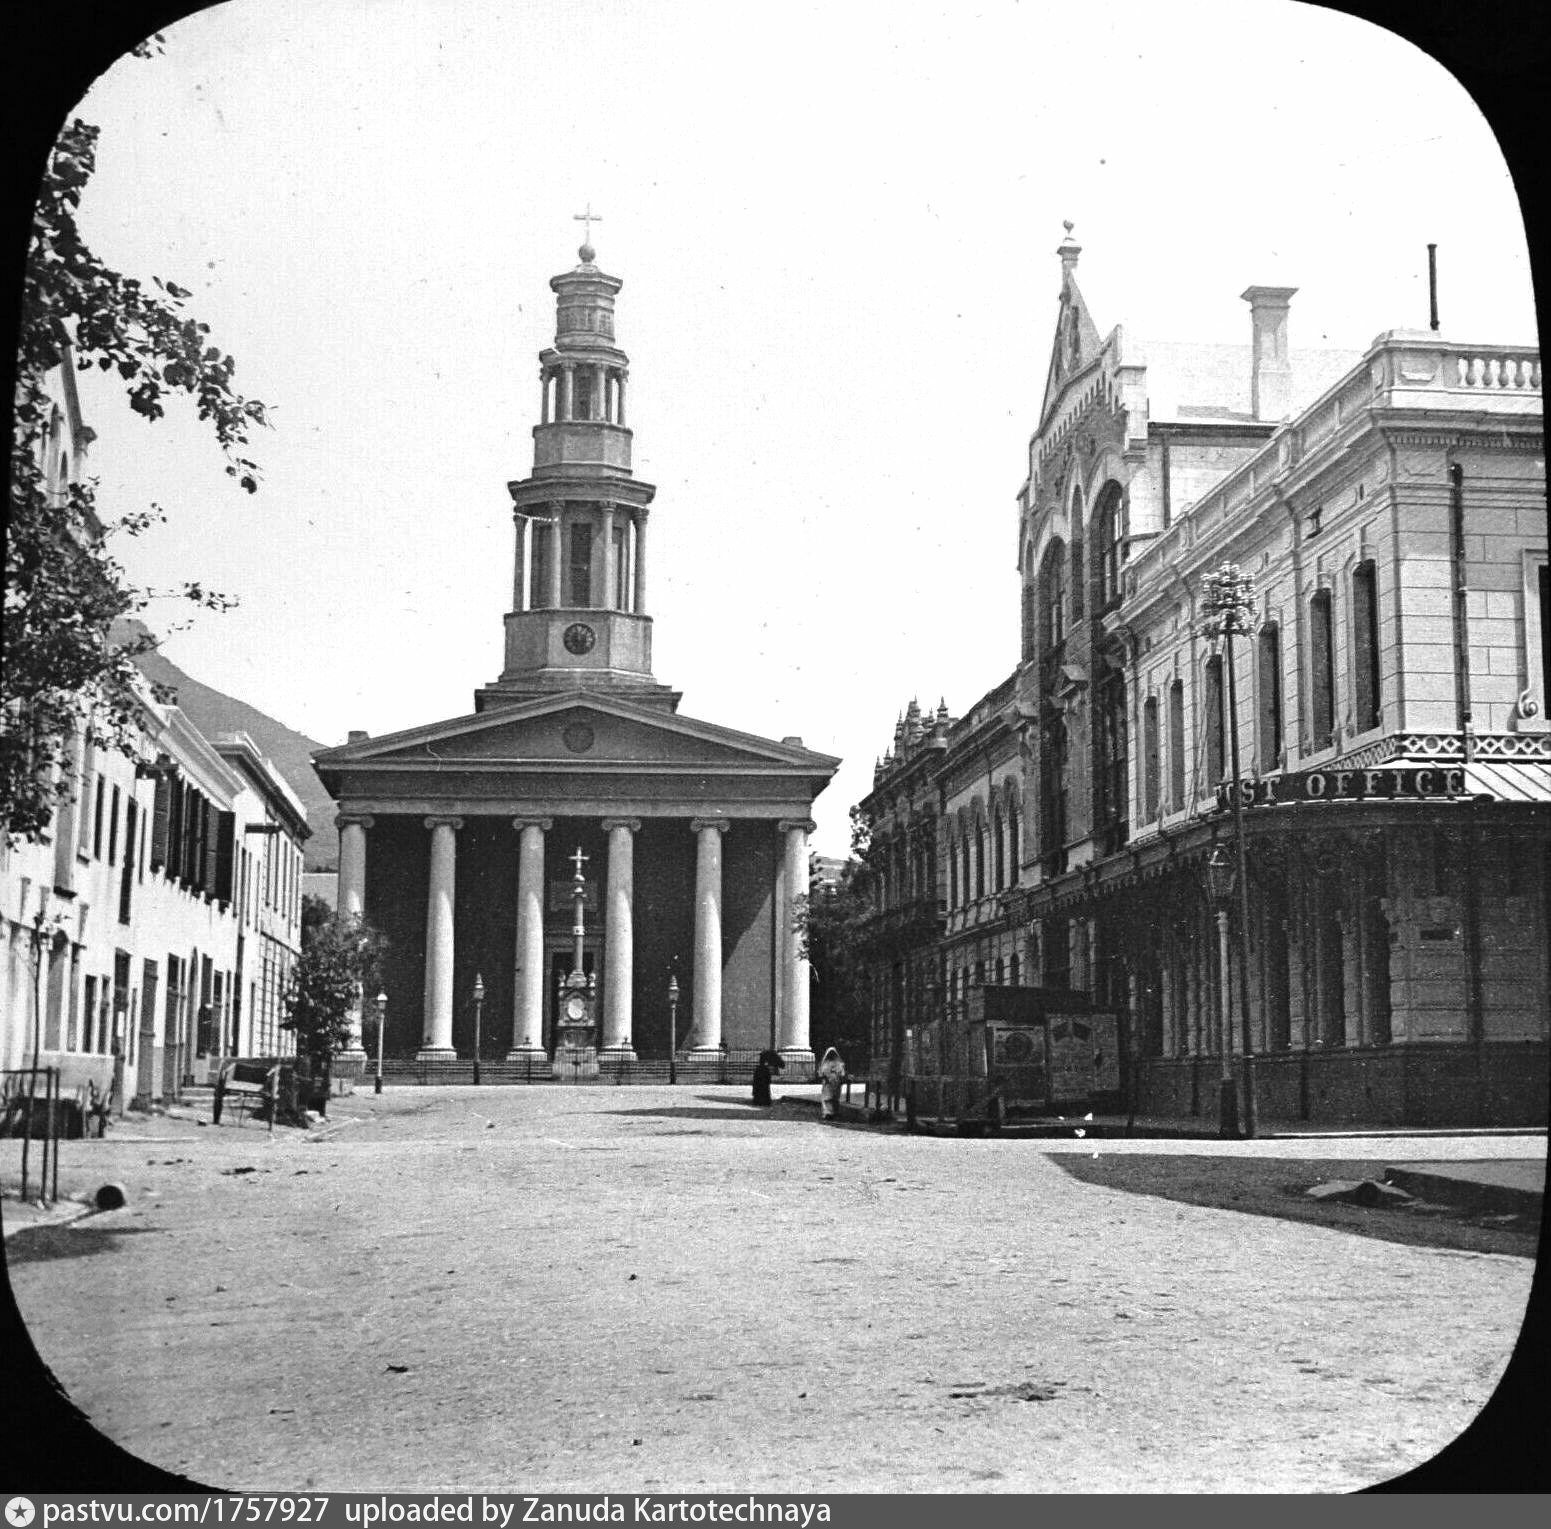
161 820
225 845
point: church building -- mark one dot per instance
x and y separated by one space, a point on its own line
466 842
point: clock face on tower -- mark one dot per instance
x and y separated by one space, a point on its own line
579 637
576 1007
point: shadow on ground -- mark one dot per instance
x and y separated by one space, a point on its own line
1277 1187
72 1239
712 1109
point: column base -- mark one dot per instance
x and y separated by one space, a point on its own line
535 1054
436 1054
798 1059
617 1056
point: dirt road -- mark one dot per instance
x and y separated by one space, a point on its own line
665 1290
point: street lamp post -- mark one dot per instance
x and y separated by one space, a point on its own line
1220 877
673 1029
382 1015
1230 601
479 1005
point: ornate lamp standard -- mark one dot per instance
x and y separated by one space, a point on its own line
1220 877
479 1005
382 1016
673 1028
1230 611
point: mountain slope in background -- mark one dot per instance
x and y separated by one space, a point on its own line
214 713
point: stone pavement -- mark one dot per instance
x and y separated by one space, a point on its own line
666 1290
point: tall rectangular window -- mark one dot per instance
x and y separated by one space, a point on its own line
113 828
1212 720
126 889
1322 674
1269 729
580 580
97 818
1365 646
1176 745
1150 759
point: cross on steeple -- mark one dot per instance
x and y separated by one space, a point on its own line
589 218
578 860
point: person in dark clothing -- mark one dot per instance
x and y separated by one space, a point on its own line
762 1082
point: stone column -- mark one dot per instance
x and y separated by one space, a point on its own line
619 940
640 561
528 983
566 393
610 572
792 1040
556 551
543 396
619 399
708 935
436 1037
352 903
600 402
520 580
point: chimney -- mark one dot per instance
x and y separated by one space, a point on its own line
1271 371
356 736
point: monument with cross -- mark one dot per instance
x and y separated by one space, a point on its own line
576 1051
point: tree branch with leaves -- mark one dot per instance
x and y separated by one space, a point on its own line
66 673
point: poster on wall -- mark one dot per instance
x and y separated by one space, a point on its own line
1106 1053
1018 1064
1071 1057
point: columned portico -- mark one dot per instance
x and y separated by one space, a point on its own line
792 1038
707 986
437 1035
619 940
528 986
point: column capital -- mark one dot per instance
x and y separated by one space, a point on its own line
806 825
699 825
542 824
444 822
642 514
354 820
633 824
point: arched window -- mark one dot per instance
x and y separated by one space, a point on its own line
1078 567
1108 545
1322 672
1212 720
1365 647
1030 605
1150 759
980 859
999 850
1176 745
1052 601
1268 738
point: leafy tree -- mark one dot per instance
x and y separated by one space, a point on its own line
834 923
339 956
67 672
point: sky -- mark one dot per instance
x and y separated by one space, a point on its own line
836 225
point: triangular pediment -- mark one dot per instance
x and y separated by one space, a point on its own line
576 731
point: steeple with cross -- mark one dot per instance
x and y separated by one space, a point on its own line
589 217
578 618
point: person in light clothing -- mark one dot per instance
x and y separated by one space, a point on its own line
832 1073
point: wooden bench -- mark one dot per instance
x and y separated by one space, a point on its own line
248 1080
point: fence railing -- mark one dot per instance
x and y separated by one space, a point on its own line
34 1117
734 1066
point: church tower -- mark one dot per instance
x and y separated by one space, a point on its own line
578 619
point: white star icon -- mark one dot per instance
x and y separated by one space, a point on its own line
19 1512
